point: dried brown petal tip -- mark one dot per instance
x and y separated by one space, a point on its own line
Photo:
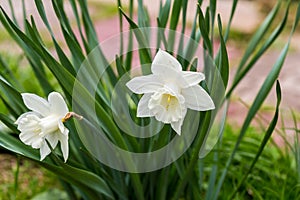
69 115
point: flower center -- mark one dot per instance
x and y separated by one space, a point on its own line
49 124
166 107
168 101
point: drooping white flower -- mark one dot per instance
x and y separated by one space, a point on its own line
169 91
44 122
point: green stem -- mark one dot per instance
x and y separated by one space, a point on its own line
194 158
135 177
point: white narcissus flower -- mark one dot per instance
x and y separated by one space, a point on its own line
44 122
169 91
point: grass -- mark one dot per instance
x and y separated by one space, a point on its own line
32 179
274 176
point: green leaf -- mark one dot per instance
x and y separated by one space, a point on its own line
268 42
177 5
161 35
258 36
192 44
144 53
204 31
6 72
233 7
194 65
164 13
12 96
223 64
128 60
259 99
32 57
35 62
41 10
8 122
76 176
120 68
89 28
188 173
143 16
175 14
51 194
212 8
264 142
183 27
79 25
86 181
216 160
12 10
12 144
67 80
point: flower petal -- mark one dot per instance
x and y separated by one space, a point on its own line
196 98
165 107
62 128
177 126
143 109
144 84
44 150
57 104
163 58
36 104
31 138
64 145
52 138
192 78
24 119
168 74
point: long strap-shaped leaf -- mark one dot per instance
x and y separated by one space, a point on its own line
144 53
70 174
195 155
13 97
259 35
262 94
66 80
271 39
264 142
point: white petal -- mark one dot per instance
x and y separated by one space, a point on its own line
36 103
168 74
161 115
52 138
44 150
177 126
57 104
25 118
143 109
62 128
64 146
196 98
144 84
21 117
192 78
31 138
163 58
167 108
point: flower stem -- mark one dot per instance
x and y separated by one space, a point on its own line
138 187
195 156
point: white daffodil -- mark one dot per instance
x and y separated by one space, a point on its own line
44 122
169 91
